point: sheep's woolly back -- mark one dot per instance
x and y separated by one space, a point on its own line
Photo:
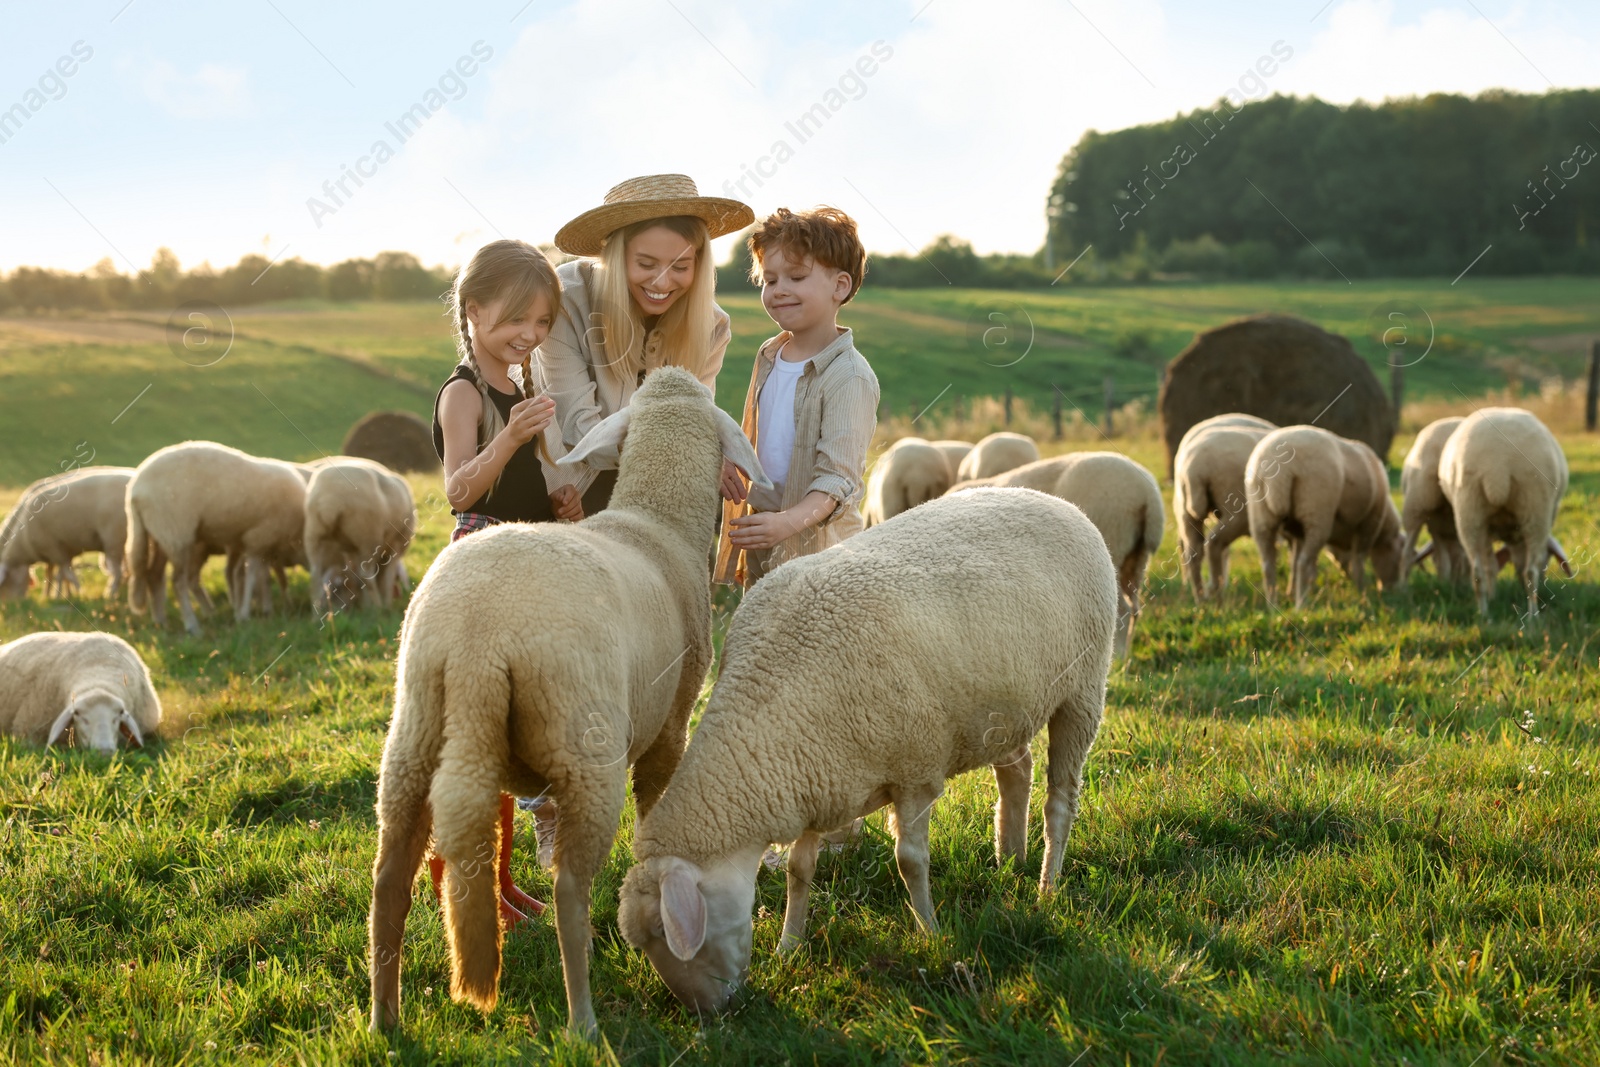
64 515
1508 458
997 453
954 453
1310 476
917 650
1208 472
356 511
40 674
241 500
910 473
1419 476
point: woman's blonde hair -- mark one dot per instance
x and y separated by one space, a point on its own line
685 327
515 273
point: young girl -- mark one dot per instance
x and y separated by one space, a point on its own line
489 427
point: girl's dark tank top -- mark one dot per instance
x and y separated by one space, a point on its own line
521 495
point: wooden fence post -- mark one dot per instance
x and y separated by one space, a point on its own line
1055 409
1008 405
1109 428
1593 399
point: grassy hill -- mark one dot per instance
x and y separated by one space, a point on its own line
298 375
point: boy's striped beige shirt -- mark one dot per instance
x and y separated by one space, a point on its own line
836 413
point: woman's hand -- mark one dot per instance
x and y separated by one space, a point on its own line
734 486
762 530
567 503
529 419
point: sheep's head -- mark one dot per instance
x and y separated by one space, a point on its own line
694 925
97 718
1388 559
14 581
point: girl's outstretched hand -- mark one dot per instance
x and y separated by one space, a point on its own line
567 503
529 418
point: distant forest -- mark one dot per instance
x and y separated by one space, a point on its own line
1283 187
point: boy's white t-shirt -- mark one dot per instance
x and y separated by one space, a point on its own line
775 418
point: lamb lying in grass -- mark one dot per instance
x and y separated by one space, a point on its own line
866 675
93 684
546 659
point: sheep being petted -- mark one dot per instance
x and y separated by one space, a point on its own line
360 518
546 659
1504 474
1320 491
911 472
60 517
94 684
995 454
1120 497
866 675
1207 481
190 498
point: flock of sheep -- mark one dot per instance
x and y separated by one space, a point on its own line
985 603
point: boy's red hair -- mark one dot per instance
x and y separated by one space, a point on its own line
826 234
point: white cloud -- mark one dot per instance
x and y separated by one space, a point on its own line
212 91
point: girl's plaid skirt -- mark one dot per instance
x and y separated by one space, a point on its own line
471 522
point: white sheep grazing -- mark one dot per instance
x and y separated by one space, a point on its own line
93 683
202 495
1423 504
1504 475
911 472
544 659
954 453
1321 490
60 517
1207 481
995 454
1120 497
867 675
359 521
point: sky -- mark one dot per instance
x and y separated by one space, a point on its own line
220 130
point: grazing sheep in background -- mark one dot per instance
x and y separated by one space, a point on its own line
200 494
58 518
1424 504
1321 491
545 659
1504 475
359 521
1120 497
911 472
867 675
996 454
954 453
93 683
1208 481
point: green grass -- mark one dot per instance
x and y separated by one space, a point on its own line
1318 837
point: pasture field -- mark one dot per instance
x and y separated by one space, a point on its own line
1363 833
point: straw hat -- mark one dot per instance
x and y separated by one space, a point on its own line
653 196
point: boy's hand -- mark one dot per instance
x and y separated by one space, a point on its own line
762 530
529 418
567 503
734 487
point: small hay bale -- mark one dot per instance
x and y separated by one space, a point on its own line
397 439
1279 368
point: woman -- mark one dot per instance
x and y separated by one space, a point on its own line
645 299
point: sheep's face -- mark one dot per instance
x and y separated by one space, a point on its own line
99 719
1388 559
694 926
14 581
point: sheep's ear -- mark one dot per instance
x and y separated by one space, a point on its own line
601 447
130 728
58 729
683 913
737 447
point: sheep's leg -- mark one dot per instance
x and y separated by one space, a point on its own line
1072 730
254 568
1217 558
1472 525
185 576
1191 543
912 808
404 821
1535 558
112 563
156 580
1306 550
1266 540
1130 579
584 833
1358 570
1014 776
801 867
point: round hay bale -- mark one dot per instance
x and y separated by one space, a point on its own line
1279 368
397 439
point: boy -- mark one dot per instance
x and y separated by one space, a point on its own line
813 401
